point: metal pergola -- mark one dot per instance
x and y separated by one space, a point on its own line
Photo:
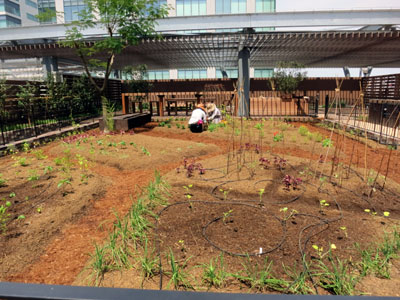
313 49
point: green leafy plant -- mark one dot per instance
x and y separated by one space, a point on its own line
303 130
39 154
260 276
214 273
145 151
327 143
226 215
335 276
48 169
178 276
4 216
26 99
287 215
148 261
212 127
2 180
22 162
33 175
278 137
287 76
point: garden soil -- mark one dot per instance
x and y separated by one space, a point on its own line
225 210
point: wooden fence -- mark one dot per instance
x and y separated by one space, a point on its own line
262 103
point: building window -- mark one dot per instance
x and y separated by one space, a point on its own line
263 73
10 7
232 73
7 21
31 17
45 5
157 75
192 74
72 9
31 3
230 6
265 6
191 7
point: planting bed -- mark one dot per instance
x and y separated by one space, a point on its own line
263 206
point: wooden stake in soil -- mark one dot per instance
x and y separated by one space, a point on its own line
387 168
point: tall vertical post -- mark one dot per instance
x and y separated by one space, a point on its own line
244 82
50 65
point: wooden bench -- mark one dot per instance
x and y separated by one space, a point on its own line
189 104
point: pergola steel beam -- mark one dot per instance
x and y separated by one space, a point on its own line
278 19
313 49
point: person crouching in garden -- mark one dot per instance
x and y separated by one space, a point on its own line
213 113
198 119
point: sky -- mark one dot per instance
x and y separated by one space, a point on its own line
310 5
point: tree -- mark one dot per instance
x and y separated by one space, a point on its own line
26 98
3 96
287 76
125 22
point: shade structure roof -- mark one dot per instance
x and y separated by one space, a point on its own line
313 49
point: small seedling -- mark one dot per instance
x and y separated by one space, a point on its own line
2 181
373 213
22 162
181 245
260 193
344 229
320 250
225 192
145 151
12 195
48 169
278 137
4 216
286 215
226 215
33 175
322 205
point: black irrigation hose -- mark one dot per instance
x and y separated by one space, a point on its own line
302 241
283 223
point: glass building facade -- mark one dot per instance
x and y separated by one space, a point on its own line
191 7
8 21
45 5
10 7
230 6
72 8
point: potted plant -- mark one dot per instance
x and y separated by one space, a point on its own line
287 76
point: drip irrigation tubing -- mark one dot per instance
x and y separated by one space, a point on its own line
303 238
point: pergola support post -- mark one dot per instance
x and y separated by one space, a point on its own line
244 83
50 66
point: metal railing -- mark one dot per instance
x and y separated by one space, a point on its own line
21 123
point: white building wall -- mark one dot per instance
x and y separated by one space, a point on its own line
26 9
172 12
210 7
60 11
251 6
